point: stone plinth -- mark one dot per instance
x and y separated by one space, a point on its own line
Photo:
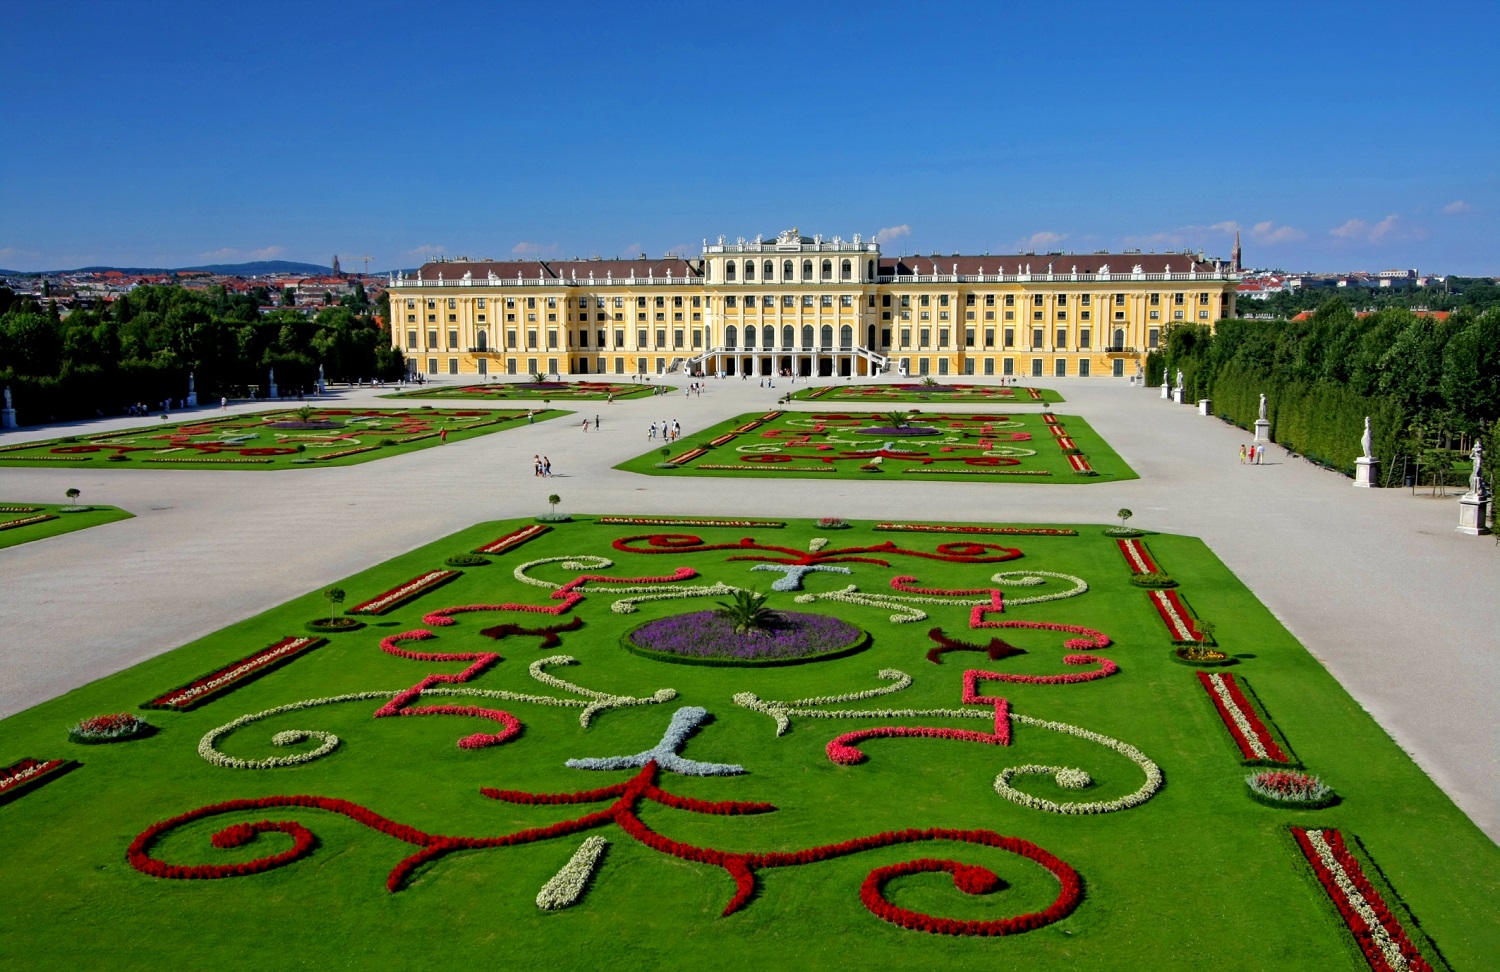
1473 514
1205 406
1365 471
1262 430
1177 395
1166 390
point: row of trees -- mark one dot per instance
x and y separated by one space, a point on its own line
1455 293
142 347
1430 387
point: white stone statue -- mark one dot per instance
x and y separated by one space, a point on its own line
7 397
1180 381
1262 406
1476 481
1365 441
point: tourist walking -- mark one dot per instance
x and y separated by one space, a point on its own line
1242 453
442 436
536 465
546 467
585 426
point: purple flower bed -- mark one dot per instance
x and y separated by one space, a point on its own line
905 430
704 637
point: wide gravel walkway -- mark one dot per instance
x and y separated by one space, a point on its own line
1377 584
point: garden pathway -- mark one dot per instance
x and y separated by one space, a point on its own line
1399 607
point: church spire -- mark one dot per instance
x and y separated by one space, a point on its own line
1235 258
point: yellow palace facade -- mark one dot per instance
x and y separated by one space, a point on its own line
805 306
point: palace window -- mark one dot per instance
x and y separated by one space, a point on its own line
968 315
1154 300
906 337
969 336
452 303
731 301
510 340
846 300
1036 315
1062 338
924 336
1084 300
479 303
786 270
788 301
942 337
1036 337
807 273
827 269
828 300
432 337
411 304
807 300
1178 299
926 315
749 270
452 338
1062 315
729 271
1085 339
619 301
583 338
846 270
1036 300
1153 338
1119 300
924 300
640 338
661 337
1010 337
1010 300
749 300
989 337
411 339
531 339
1155 315
768 272
1083 315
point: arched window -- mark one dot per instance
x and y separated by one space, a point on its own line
846 270
482 341
749 270
750 337
768 272
870 336
729 270
788 336
870 270
846 337
827 269
806 269
731 334
807 336
786 271
827 335
1119 337
768 337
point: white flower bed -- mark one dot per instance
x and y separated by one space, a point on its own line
1247 731
779 711
567 886
1146 791
1358 902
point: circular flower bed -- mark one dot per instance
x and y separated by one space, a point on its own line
334 625
115 727
1203 658
706 638
905 431
1290 788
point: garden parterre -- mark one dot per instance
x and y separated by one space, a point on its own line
24 522
543 391
280 439
929 390
960 447
1028 806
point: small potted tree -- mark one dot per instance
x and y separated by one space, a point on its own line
554 516
1122 530
334 596
73 507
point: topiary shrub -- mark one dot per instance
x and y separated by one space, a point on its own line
1155 580
467 560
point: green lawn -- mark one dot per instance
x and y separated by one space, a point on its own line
938 393
990 447
1198 876
24 522
558 391
279 439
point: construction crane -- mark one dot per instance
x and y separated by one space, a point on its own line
367 260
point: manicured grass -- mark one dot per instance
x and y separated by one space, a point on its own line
1199 876
58 522
271 440
558 391
988 447
938 393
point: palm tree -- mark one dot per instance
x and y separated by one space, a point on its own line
748 612
897 418
538 378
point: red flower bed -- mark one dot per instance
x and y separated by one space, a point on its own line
1385 944
513 539
1091 638
1106 668
688 456
1174 614
26 521
1245 725
1011 531
24 774
400 703
397 596
1080 464
686 521
233 675
956 552
1138 557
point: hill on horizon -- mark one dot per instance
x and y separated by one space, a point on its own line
253 269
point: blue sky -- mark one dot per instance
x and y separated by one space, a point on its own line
1335 137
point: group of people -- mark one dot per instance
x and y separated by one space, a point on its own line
669 430
542 466
1253 454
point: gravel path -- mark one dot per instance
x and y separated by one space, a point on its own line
1376 583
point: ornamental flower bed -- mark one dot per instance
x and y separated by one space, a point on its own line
1382 940
1240 718
688 521
1010 531
1290 788
114 727
1138 557
706 638
233 675
26 521
1174 614
26 774
397 596
513 539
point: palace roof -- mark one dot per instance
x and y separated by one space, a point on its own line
1041 263
560 269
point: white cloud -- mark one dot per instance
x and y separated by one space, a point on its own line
266 253
1268 232
1384 228
1457 206
1043 241
427 250
1228 226
1350 229
892 233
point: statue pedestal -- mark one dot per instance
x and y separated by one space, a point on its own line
7 418
1205 406
1177 395
192 399
1473 513
1166 391
274 394
1365 471
1262 430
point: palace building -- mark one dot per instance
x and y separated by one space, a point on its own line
806 306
